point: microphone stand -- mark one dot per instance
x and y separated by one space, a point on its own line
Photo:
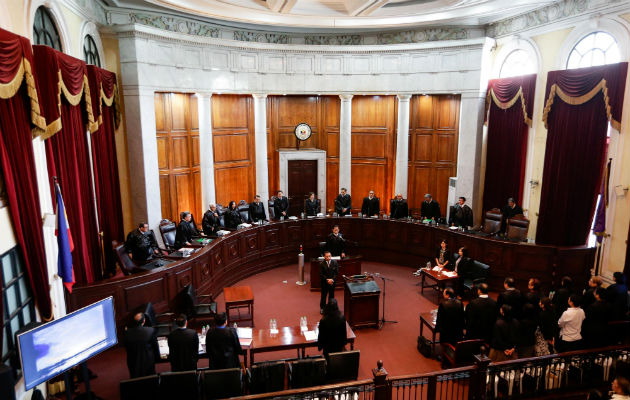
382 321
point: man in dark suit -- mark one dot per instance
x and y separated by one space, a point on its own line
183 346
343 203
617 295
371 205
335 243
430 209
141 245
328 271
461 214
211 223
185 231
481 314
281 206
509 211
512 297
142 348
257 210
598 314
450 318
399 208
222 345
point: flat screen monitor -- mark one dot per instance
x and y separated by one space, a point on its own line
55 347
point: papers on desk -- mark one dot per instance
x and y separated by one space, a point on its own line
245 342
332 258
450 274
163 346
244 333
186 251
243 225
310 336
436 268
293 217
453 228
222 232
348 215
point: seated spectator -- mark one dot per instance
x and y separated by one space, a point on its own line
570 324
588 297
481 314
527 329
620 388
617 295
511 296
504 336
232 216
597 316
450 318
561 297
548 322
332 336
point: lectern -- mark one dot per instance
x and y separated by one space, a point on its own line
360 305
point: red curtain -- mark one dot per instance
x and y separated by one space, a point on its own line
510 102
69 113
577 107
103 92
19 113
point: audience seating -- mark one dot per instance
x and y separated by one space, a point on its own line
178 385
222 383
462 353
492 223
156 320
127 266
307 372
266 377
517 228
193 308
146 387
343 366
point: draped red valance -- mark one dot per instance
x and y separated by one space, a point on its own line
103 89
59 73
577 86
506 92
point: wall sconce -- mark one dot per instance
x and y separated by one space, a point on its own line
534 183
620 191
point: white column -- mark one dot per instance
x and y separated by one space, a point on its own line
345 142
260 140
143 157
402 146
206 156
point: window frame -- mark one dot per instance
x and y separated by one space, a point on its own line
90 51
48 27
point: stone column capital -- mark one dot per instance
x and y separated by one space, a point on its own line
259 95
403 97
203 95
346 97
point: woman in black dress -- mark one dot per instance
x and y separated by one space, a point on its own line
442 256
232 216
332 329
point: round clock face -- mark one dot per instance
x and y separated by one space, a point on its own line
303 131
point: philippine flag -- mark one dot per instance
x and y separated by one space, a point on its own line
64 241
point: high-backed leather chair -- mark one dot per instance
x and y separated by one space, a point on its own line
193 308
221 213
127 266
266 377
146 387
243 209
272 213
222 383
463 353
162 323
307 372
179 385
168 230
517 228
343 366
492 222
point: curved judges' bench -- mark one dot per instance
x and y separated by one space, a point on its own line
246 252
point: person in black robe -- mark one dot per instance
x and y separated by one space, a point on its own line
183 346
142 348
281 206
371 205
451 319
328 271
185 231
430 208
141 244
509 211
511 296
232 217
332 336
398 208
343 203
481 314
335 243
461 214
257 210
211 222
222 345
312 206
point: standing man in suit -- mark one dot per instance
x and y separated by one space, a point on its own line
399 208
509 211
142 348
328 271
257 210
281 206
222 345
211 223
430 209
371 205
335 243
461 214
183 346
481 314
343 203
450 318
512 297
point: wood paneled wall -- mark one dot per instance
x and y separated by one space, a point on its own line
373 148
433 138
233 148
177 132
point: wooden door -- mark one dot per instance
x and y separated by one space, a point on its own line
302 181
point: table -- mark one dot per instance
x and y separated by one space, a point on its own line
348 266
427 318
438 277
237 297
360 303
287 338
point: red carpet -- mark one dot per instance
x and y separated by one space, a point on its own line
277 296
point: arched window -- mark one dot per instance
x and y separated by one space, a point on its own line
517 63
597 48
44 29
90 53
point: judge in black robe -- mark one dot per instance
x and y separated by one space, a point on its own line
312 206
257 210
335 243
343 203
398 208
509 211
461 214
450 318
222 345
183 346
141 244
232 217
371 205
211 222
185 231
281 206
430 208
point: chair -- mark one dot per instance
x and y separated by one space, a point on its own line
266 377
222 383
168 230
221 213
517 228
243 210
343 366
178 385
308 372
462 353
478 273
272 212
322 248
127 266
140 388
156 321
492 223
193 308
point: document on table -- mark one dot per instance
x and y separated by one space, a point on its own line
244 333
310 336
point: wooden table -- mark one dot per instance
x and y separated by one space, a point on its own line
348 266
438 277
237 297
360 303
426 318
287 338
